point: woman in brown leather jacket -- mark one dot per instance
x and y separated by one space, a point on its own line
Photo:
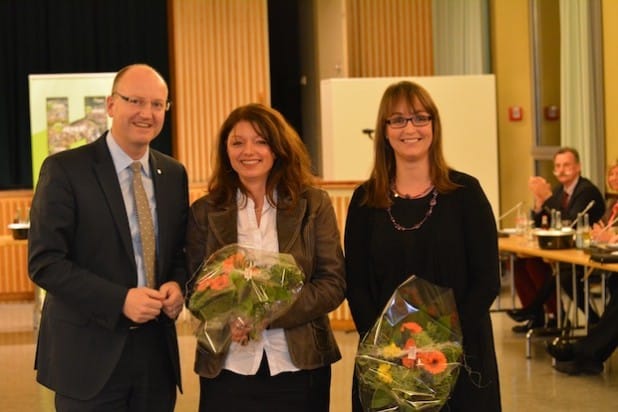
260 195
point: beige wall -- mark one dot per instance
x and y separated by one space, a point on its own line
512 67
331 38
389 38
511 64
610 70
549 69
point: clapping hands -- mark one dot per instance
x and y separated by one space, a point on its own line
541 190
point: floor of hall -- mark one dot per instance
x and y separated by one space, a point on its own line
529 385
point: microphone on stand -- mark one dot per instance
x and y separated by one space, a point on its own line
369 133
511 210
583 212
586 209
519 223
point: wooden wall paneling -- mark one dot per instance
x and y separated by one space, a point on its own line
10 202
341 318
390 38
14 281
220 58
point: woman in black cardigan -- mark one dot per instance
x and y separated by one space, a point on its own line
415 215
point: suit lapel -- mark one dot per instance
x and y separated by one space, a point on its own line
159 181
223 225
289 225
108 179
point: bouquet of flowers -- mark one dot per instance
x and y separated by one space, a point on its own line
244 285
409 360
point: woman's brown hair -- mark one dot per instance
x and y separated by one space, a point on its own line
383 172
291 171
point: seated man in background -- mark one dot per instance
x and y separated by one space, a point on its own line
533 278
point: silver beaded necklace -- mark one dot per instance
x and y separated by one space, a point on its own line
401 228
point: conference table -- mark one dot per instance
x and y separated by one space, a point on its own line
521 246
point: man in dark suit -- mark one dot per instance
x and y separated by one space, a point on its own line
533 279
107 338
573 194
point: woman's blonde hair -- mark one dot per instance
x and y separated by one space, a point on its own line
611 167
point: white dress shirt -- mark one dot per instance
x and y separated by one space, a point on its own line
245 360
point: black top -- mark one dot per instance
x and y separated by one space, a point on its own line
455 247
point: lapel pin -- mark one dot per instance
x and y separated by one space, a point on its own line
158 171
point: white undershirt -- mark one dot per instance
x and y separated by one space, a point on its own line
245 360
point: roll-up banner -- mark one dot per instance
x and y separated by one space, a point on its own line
66 111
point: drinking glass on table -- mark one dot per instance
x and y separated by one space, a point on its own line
521 222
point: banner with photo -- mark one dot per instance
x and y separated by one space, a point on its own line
66 111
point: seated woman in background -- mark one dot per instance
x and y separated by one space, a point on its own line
599 233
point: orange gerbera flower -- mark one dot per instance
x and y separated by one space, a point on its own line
202 284
433 362
412 327
217 283
409 361
232 262
220 282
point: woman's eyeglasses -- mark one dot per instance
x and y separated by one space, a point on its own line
399 122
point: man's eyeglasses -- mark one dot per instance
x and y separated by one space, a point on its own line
417 120
138 102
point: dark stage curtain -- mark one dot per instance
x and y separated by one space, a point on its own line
284 55
70 36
